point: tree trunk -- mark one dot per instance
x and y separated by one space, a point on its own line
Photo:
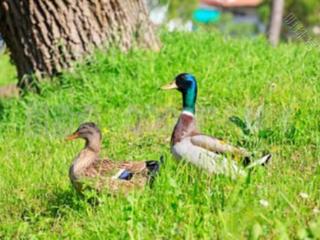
275 25
46 36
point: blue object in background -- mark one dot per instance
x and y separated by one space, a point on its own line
2 44
206 15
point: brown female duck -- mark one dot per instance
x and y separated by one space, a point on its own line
89 171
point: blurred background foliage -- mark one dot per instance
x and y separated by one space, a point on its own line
306 11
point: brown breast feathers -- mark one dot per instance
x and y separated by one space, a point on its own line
185 127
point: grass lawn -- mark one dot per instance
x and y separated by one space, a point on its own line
7 70
276 91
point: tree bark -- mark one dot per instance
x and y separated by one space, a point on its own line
275 25
46 36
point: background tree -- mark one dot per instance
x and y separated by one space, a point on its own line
45 37
276 18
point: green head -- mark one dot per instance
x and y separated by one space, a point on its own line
187 85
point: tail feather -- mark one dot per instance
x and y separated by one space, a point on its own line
154 168
260 162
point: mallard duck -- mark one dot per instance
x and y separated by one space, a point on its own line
89 171
204 151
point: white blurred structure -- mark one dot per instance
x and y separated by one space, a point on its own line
158 16
178 25
316 30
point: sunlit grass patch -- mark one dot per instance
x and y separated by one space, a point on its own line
275 92
7 70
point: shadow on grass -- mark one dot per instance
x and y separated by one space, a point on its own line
1 111
61 202
57 204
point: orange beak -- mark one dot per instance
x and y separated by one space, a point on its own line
72 136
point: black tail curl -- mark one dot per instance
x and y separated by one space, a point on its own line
153 167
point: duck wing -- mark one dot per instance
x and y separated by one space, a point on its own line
123 175
108 168
216 145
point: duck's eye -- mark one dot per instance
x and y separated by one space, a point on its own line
81 129
86 132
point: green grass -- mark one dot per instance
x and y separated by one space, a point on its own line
279 88
7 70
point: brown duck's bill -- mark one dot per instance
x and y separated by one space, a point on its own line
72 136
170 86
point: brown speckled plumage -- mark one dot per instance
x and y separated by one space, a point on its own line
101 173
89 171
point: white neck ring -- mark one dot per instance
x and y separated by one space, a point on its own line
185 112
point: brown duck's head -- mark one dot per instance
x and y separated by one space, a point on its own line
90 133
